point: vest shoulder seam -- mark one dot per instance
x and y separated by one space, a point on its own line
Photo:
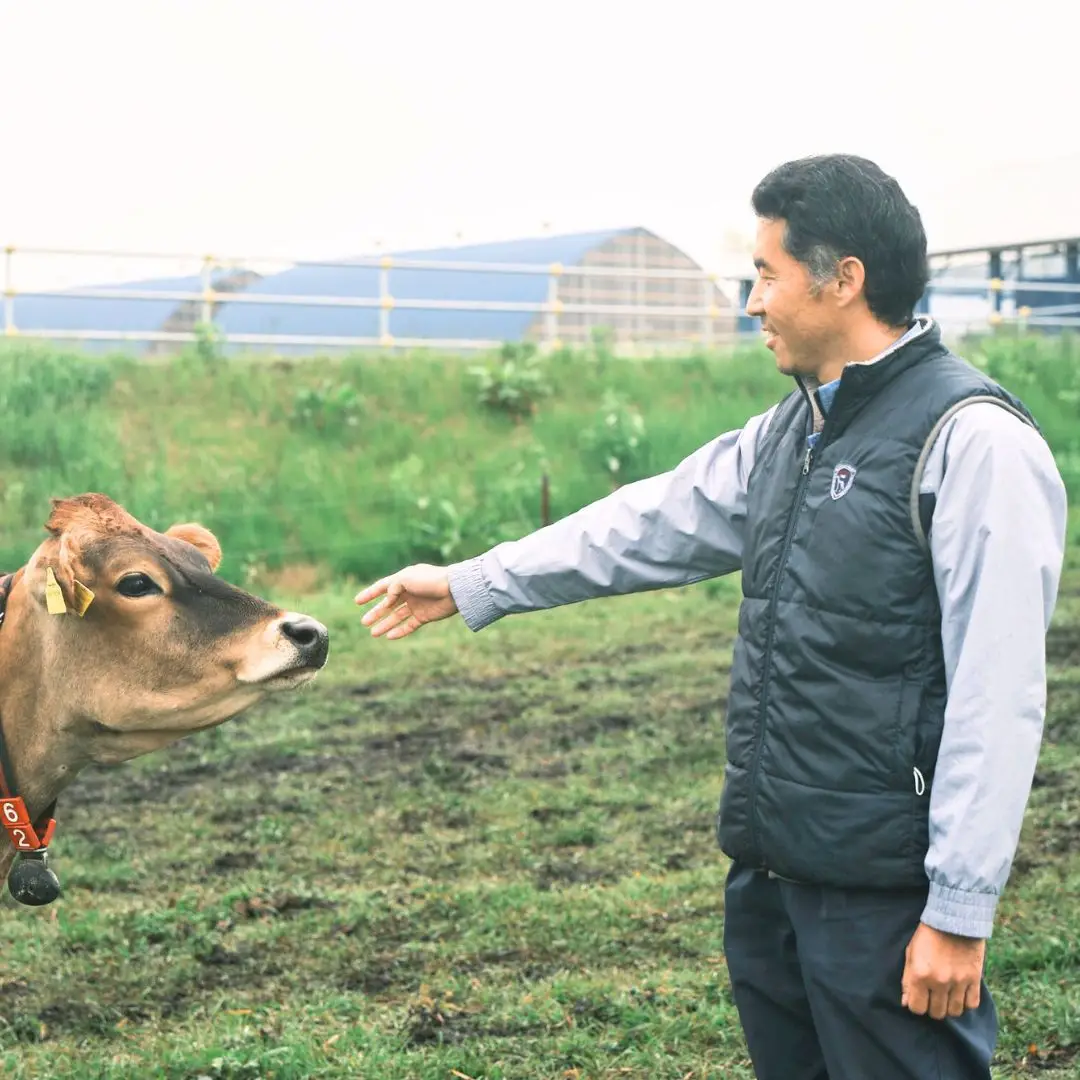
927 447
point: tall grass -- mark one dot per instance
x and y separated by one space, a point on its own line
354 466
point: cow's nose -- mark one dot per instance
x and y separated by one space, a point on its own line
311 638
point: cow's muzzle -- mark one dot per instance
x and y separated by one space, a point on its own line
309 638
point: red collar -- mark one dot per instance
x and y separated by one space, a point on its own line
14 816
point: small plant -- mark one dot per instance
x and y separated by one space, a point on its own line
436 527
448 523
515 382
508 506
208 346
329 408
432 521
617 440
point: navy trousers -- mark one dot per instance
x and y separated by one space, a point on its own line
815 974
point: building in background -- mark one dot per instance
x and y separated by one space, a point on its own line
509 281
531 271
644 291
1038 280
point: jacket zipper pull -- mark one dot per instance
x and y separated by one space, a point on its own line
806 460
920 782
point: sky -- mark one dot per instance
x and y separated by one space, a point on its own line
330 128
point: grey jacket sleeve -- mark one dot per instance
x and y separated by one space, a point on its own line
672 529
997 542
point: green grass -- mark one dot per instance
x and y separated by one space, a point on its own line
485 856
314 469
488 856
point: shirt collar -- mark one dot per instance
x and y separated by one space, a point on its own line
827 391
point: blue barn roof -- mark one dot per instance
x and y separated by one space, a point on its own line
73 313
363 281
34 312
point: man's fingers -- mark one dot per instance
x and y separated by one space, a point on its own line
411 598
374 590
377 612
405 628
956 1002
939 1000
394 591
392 620
918 999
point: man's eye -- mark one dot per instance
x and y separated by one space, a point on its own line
135 585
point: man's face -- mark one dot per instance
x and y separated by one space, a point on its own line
799 322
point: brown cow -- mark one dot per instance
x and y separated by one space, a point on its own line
117 640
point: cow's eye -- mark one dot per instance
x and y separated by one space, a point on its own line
137 585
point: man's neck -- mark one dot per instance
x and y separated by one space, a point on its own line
859 347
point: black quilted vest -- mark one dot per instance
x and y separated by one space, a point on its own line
837 683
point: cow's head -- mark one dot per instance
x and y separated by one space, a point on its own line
164 647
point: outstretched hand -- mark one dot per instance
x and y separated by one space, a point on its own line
412 597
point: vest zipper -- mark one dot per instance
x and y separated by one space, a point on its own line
789 536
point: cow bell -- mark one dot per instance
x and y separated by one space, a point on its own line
31 881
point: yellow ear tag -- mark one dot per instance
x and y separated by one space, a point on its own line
54 597
83 598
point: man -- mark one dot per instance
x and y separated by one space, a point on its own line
899 523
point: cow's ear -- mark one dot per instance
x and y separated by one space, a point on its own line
73 524
200 538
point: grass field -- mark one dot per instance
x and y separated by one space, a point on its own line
309 470
483 856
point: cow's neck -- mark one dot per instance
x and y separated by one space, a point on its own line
43 757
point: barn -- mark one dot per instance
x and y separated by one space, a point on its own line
412 297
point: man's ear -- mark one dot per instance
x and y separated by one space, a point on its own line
850 279
200 538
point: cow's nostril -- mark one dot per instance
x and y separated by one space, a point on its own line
303 633
311 638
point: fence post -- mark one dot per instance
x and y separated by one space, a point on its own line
207 290
9 292
996 282
386 300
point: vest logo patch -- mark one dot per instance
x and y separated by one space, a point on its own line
842 478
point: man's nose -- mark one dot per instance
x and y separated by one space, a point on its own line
754 307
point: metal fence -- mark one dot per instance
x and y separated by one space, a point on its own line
719 317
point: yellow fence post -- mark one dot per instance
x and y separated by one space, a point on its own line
207 290
386 300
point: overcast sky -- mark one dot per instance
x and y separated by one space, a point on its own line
324 127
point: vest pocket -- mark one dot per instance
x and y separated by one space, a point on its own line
914 771
910 772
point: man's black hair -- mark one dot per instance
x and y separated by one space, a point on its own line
839 205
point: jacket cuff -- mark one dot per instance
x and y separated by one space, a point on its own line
957 911
470 593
